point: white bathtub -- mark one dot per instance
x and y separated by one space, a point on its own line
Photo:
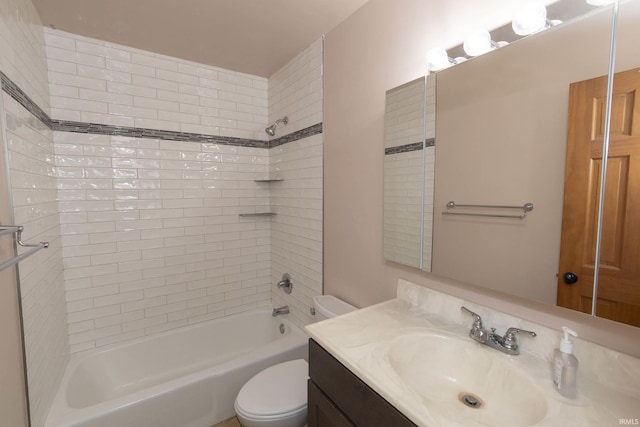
187 377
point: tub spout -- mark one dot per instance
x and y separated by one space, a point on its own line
280 310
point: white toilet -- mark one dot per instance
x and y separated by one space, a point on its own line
277 396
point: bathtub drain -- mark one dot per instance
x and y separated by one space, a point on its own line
470 400
282 328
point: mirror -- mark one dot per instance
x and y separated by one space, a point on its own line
513 103
501 139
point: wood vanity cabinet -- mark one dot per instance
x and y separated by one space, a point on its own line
338 398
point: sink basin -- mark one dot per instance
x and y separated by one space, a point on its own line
462 383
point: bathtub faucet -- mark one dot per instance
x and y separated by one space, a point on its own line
280 310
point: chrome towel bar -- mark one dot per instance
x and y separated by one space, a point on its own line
17 230
526 208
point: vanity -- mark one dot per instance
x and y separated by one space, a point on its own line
337 396
411 361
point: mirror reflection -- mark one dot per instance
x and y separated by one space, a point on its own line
404 166
513 103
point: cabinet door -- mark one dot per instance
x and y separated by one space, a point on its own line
322 412
362 406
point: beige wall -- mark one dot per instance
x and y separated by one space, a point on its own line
382 46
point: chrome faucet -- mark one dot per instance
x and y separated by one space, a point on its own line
280 310
507 344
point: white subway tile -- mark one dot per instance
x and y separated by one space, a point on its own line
122 298
118 318
144 303
152 61
144 323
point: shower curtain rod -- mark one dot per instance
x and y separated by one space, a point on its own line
17 230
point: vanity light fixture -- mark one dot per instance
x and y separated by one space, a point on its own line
438 59
478 42
531 18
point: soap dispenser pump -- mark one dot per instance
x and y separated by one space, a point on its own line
565 366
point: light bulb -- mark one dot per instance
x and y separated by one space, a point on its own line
478 43
437 59
530 19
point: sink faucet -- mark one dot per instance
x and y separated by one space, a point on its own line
280 310
506 344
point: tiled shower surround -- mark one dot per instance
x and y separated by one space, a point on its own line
151 233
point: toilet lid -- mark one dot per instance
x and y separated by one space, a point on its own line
277 390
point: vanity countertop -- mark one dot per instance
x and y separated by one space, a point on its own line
608 393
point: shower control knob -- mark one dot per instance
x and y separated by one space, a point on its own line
570 278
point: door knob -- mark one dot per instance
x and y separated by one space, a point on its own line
570 278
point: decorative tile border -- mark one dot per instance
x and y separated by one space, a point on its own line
23 99
100 129
134 132
429 142
294 136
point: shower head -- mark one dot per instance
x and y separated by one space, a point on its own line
271 129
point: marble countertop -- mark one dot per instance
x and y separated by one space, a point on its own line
362 340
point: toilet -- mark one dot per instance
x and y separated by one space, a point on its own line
277 396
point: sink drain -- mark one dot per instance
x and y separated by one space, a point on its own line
470 400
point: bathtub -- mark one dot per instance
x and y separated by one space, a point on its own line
187 377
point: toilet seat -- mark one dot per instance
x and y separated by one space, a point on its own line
279 391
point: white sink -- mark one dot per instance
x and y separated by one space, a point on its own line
465 383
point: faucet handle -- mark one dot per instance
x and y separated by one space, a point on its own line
511 336
477 324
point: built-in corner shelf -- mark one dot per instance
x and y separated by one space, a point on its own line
269 179
258 214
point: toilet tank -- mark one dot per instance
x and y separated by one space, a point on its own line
328 306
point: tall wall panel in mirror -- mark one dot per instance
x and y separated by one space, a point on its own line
501 135
404 173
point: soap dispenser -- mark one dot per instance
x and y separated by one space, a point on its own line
565 366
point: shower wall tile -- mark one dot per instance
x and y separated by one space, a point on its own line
295 91
99 82
33 179
22 56
296 230
157 242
